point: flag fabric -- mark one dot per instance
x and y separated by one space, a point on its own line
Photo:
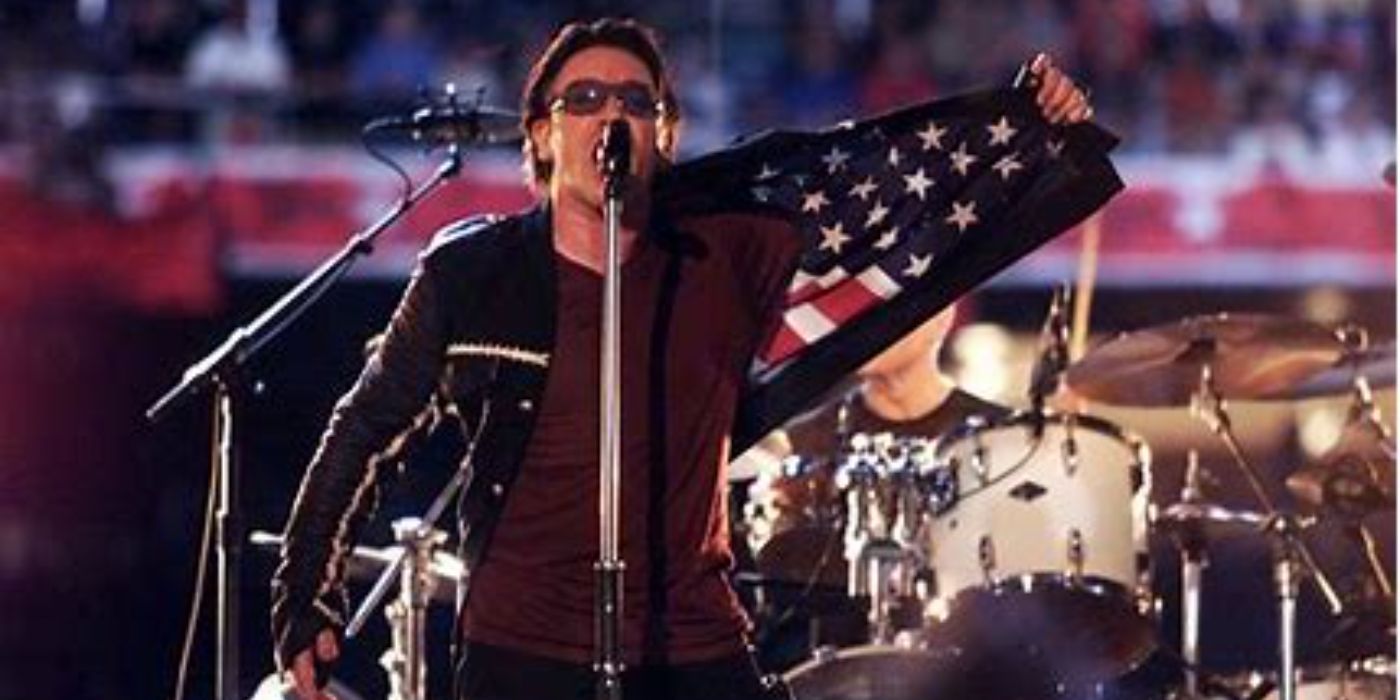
899 216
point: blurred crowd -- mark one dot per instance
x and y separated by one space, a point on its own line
1293 81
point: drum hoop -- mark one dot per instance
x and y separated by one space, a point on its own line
862 651
1032 582
974 425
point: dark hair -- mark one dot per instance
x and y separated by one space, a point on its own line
626 34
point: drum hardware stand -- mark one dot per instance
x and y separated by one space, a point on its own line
1363 406
875 556
406 659
221 370
615 164
980 465
879 563
1048 375
1289 550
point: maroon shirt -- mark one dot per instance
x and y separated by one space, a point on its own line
691 324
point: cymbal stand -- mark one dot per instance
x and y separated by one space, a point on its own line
406 659
1194 560
1364 411
1373 559
1289 550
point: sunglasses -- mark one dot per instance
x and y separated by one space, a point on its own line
584 97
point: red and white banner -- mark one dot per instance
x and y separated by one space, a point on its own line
182 220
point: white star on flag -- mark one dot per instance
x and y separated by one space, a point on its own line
833 237
813 202
835 160
887 240
962 159
1054 147
963 215
918 265
1006 165
894 157
864 189
932 136
1001 132
918 183
877 214
767 172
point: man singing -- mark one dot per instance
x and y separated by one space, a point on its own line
503 314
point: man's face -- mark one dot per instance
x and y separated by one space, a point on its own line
568 136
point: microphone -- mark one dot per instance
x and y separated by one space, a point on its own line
447 124
1054 355
614 155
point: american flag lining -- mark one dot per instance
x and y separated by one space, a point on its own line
902 213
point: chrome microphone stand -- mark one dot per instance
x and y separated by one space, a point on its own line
614 162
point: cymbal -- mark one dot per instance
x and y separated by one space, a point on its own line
366 563
1376 364
1209 520
1250 356
1349 480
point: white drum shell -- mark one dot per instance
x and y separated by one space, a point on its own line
1027 509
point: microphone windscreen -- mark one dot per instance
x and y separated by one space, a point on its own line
617 147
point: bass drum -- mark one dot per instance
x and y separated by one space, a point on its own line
873 673
876 672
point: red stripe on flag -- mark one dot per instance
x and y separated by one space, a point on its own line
844 301
783 345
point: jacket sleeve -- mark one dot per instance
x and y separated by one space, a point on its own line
340 489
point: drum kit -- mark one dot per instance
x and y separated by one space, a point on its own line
1021 543
1010 558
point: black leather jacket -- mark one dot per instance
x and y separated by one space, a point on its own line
477 324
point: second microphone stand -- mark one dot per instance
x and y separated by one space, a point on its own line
1291 554
221 371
